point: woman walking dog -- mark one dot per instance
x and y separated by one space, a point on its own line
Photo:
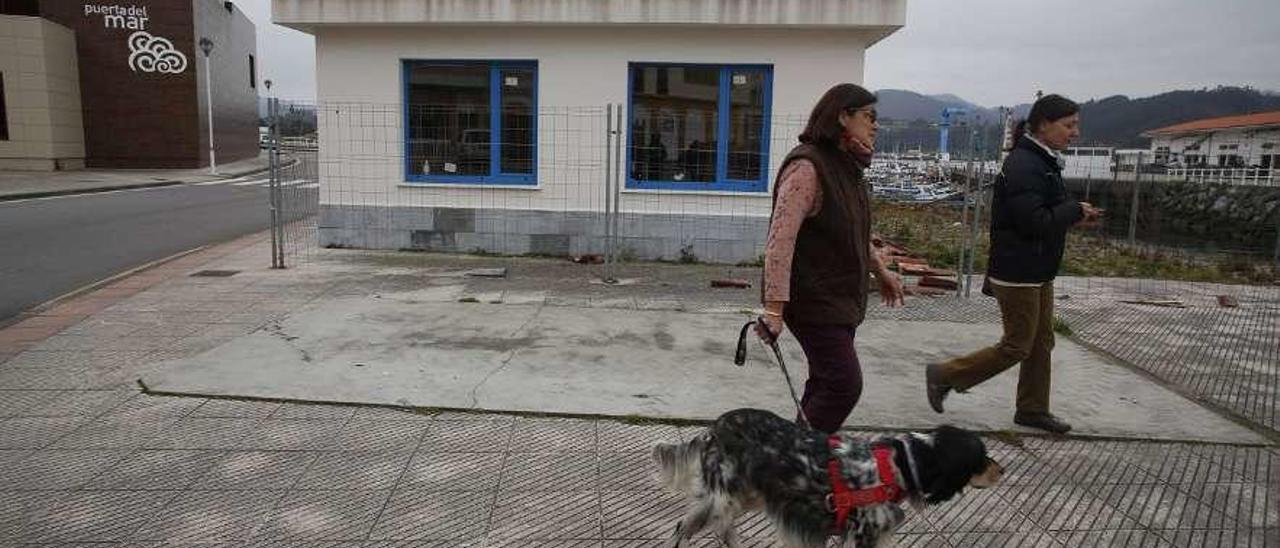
818 253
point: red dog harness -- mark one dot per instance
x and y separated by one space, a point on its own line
843 499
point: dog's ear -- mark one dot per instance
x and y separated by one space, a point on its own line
958 456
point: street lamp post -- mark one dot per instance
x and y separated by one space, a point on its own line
275 199
206 45
271 118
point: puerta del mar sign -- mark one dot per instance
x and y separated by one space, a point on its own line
147 52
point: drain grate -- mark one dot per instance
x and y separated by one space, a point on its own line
215 273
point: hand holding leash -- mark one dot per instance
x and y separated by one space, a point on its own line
770 337
769 326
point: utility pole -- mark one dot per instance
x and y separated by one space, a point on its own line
206 45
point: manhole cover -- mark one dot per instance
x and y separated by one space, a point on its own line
216 273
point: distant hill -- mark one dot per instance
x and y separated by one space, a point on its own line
1118 121
903 105
909 121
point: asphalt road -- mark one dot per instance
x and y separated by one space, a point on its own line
51 246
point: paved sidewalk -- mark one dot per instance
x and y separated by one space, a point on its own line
422 348
86 458
16 185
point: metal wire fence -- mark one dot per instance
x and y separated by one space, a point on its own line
1180 279
589 193
586 184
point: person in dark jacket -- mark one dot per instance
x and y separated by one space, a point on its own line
818 255
1030 216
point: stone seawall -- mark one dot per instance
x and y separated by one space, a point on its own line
1235 217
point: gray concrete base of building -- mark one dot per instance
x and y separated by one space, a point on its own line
649 236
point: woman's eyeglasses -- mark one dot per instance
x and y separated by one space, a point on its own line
870 112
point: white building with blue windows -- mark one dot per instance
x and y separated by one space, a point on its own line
483 125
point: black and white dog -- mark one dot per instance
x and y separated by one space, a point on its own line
751 459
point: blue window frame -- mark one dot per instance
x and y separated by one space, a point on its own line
453 110
698 127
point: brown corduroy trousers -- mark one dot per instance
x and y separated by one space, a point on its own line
1027 316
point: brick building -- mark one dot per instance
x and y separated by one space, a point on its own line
109 84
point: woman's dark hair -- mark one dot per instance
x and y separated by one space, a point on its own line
1050 108
824 122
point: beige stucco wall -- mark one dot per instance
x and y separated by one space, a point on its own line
42 95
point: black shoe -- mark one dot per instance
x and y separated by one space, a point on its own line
1043 421
934 387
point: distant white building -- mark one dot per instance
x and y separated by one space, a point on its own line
1087 163
1127 160
1244 147
455 126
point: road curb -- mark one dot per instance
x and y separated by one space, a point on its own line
92 190
101 189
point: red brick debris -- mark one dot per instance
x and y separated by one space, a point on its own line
932 281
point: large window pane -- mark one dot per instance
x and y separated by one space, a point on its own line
674 115
746 124
448 119
517 121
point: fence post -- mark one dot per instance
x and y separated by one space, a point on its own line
282 215
1133 205
975 229
608 194
1277 250
273 169
619 175
963 287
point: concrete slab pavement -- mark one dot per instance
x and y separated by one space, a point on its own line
424 349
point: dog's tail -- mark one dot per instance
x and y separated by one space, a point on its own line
680 464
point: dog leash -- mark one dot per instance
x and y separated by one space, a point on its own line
740 358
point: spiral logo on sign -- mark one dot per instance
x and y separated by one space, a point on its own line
154 54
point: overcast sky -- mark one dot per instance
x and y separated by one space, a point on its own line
997 52
285 56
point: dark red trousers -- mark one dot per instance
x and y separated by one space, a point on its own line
835 376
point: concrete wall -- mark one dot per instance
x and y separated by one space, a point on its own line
674 236
42 95
1188 214
235 102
